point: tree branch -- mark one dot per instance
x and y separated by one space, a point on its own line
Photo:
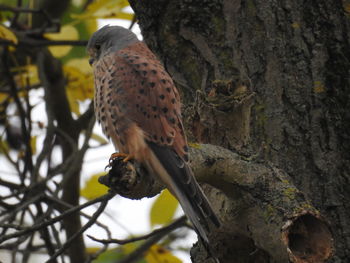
266 199
161 231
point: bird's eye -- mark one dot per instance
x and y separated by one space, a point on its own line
97 47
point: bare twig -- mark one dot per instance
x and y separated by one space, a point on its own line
93 219
9 184
20 207
138 252
56 219
31 42
161 231
47 25
28 162
62 203
20 9
133 22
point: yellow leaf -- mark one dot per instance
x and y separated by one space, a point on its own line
91 25
24 73
3 97
93 188
80 85
73 104
81 64
67 32
92 250
99 138
163 209
7 34
33 144
105 9
158 254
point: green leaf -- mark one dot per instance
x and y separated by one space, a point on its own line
93 188
163 209
33 144
115 254
4 147
109 256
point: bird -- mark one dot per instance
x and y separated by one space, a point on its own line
139 109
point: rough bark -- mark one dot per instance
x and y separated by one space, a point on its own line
269 81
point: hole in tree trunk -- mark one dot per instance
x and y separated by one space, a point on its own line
308 239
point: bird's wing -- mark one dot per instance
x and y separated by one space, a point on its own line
151 98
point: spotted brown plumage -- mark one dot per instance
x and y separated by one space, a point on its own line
138 106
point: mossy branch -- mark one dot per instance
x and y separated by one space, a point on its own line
262 206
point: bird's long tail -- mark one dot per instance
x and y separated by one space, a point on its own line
179 179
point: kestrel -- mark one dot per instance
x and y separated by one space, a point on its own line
138 106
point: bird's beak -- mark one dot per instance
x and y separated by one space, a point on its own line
91 61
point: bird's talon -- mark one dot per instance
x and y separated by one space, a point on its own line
127 157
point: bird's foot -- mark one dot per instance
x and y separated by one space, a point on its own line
126 157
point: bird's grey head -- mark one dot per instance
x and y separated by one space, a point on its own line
109 39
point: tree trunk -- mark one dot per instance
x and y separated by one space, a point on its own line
268 80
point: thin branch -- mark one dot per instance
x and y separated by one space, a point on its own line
83 120
56 219
8 157
19 9
60 202
31 42
133 22
47 146
28 162
49 22
20 207
180 222
44 232
139 252
45 42
9 184
93 219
